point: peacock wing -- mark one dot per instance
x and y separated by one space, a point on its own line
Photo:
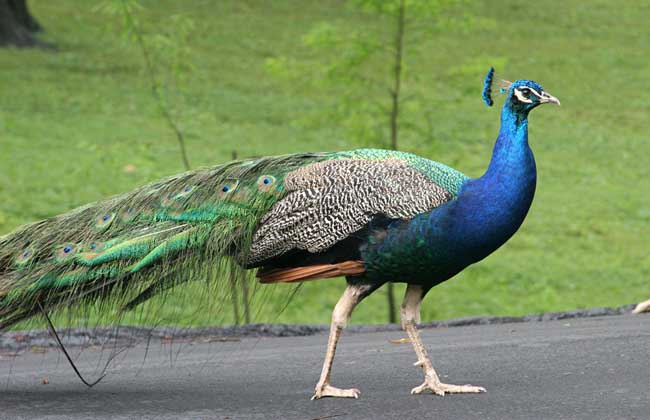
330 200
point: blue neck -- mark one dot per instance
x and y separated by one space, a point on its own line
495 205
511 154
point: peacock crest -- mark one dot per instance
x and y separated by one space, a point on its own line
504 85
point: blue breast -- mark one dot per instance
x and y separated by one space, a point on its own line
433 247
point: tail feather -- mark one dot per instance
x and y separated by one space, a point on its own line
134 245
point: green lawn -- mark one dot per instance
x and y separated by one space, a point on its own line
72 120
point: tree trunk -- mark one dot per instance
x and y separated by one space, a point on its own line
17 25
394 124
24 18
397 76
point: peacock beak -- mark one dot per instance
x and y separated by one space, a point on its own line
549 99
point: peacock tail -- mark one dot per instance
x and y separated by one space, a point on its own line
131 247
163 232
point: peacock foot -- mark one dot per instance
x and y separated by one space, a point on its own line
441 389
642 307
327 390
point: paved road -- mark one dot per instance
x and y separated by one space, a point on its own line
593 368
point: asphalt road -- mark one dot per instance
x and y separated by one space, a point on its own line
590 368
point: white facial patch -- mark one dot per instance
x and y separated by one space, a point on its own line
523 99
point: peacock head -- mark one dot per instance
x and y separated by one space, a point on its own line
522 95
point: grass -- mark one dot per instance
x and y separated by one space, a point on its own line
80 124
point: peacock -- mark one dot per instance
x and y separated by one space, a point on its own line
373 216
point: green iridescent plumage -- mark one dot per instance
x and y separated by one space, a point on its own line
133 245
448 178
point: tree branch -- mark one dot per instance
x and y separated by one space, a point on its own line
155 90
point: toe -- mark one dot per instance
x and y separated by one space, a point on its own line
463 389
330 391
443 389
427 387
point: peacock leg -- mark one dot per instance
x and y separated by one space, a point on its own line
410 312
340 316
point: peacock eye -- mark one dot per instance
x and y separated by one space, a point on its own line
227 188
525 92
63 252
25 256
104 220
265 182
